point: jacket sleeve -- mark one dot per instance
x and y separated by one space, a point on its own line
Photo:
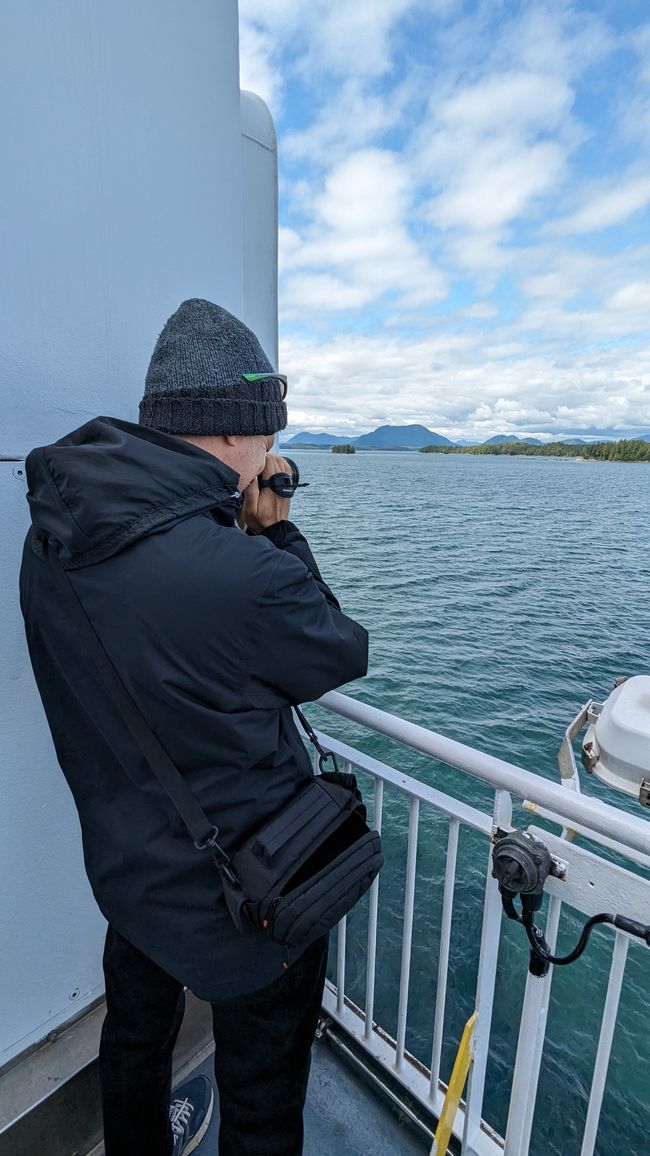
286 536
303 644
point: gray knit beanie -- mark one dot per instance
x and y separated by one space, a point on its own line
194 384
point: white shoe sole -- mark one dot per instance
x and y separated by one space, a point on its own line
196 1140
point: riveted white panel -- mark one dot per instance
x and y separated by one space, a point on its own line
121 196
132 179
52 931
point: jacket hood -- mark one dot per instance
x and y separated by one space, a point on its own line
111 482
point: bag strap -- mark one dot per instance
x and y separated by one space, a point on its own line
203 832
323 755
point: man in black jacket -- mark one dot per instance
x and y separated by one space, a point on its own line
216 633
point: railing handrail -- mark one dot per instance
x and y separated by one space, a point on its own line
601 817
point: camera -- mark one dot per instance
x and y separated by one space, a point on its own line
284 485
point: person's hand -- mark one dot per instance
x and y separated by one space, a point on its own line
264 508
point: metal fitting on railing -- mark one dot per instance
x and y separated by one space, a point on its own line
521 864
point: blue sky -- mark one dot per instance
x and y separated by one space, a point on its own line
465 210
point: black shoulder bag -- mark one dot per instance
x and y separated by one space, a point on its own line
304 869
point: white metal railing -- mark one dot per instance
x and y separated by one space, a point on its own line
627 834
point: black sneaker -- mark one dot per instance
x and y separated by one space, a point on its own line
189 1114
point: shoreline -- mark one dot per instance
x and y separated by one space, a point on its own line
626 450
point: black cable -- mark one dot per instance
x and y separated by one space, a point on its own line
510 909
540 947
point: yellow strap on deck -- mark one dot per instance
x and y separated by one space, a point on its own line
455 1089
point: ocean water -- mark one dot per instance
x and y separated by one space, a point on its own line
499 593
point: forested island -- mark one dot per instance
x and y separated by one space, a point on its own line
343 449
630 450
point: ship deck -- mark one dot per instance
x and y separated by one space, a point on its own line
50 1099
343 1115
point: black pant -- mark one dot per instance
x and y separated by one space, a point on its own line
262 1055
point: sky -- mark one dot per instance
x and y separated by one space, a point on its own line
464 211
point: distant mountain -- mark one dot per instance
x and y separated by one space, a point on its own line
503 439
396 437
317 439
386 437
417 436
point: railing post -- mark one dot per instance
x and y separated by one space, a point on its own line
340 964
443 957
607 1029
532 1032
373 913
487 970
407 934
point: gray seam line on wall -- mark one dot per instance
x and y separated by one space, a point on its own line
254 139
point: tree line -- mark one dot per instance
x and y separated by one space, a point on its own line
627 450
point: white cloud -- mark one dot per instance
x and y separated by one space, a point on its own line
607 207
507 104
497 184
353 383
289 247
421 276
329 37
634 109
554 38
633 298
357 114
636 118
358 247
482 311
256 71
553 275
354 37
583 299
488 150
323 292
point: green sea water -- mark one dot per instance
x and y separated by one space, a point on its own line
499 593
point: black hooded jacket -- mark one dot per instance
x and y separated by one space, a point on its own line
215 634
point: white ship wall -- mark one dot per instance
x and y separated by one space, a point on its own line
135 175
